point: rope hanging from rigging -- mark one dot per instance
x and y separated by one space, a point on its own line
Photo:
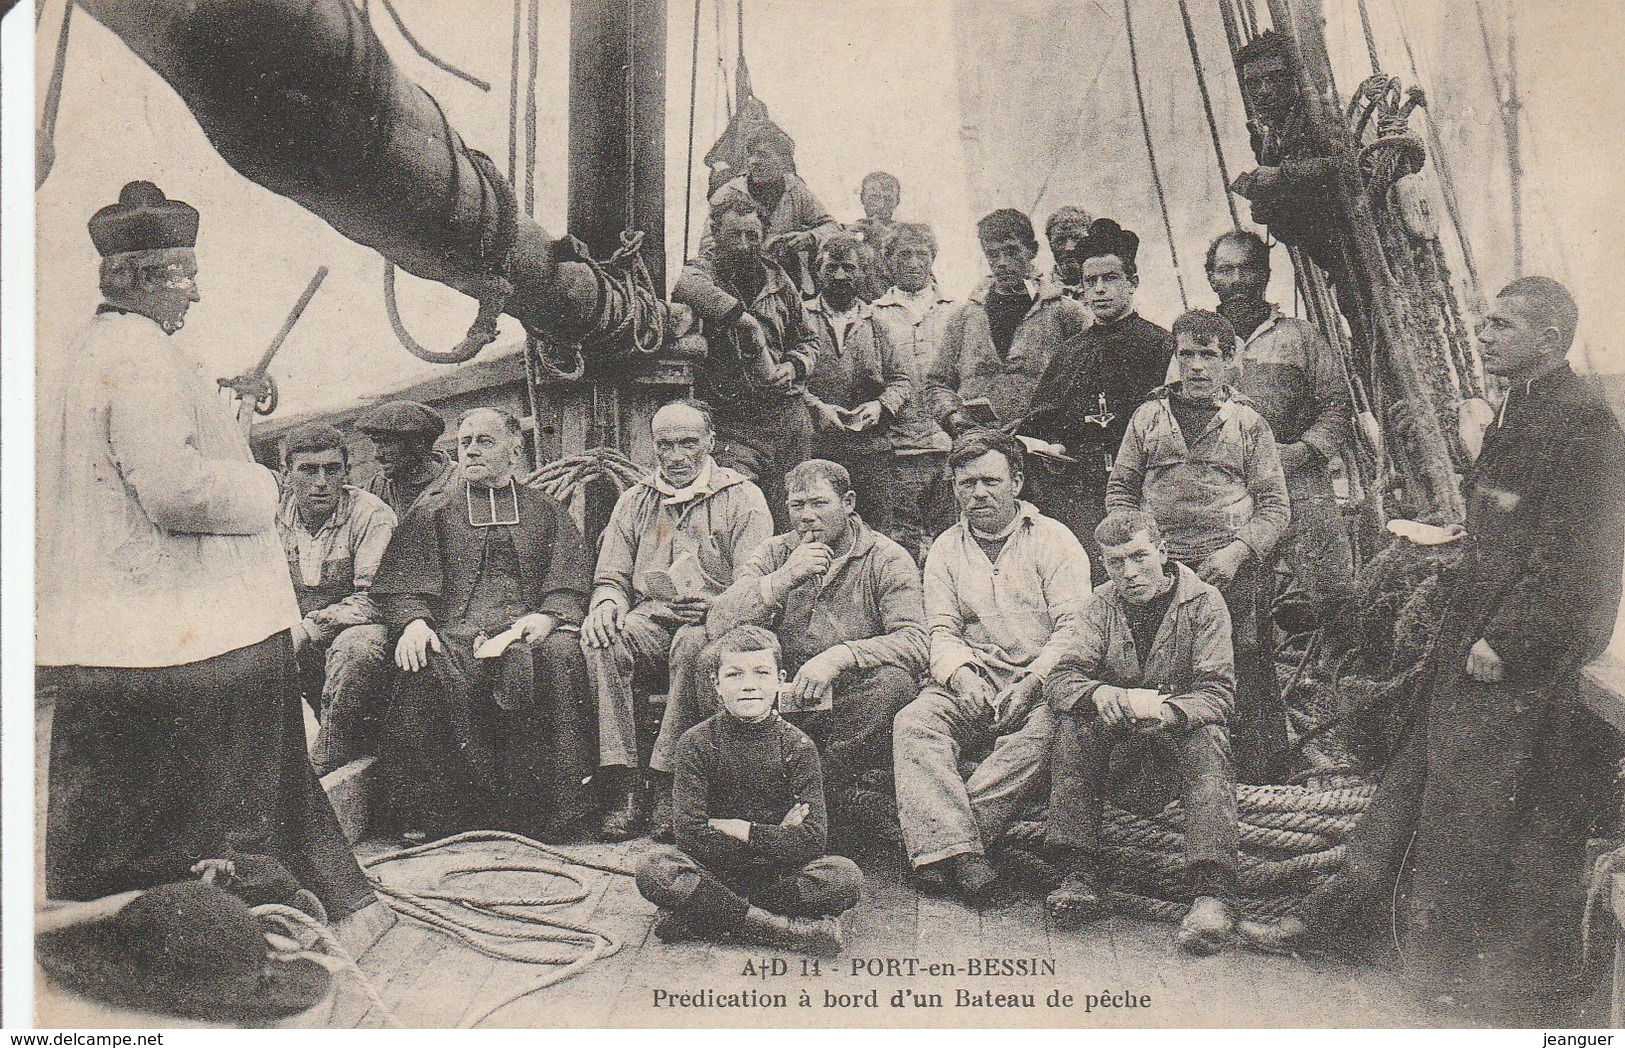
423 52
1151 153
45 138
1212 124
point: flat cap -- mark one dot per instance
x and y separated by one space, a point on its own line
402 418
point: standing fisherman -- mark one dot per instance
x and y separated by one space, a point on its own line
164 604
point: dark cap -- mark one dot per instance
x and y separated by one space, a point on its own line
402 419
143 220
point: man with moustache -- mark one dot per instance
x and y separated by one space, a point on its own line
1094 383
914 315
761 348
846 604
860 385
476 739
707 520
1004 594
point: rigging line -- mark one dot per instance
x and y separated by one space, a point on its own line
1077 125
1370 38
1212 124
693 105
45 138
513 94
429 56
1447 182
631 95
722 65
534 35
1151 153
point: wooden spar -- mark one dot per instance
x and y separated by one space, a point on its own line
309 105
1303 23
1207 109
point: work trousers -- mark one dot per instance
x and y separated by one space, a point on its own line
670 878
765 441
154 768
1080 783
1258 725
943 815
648 647
345 682
922 501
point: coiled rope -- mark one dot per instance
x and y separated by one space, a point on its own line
505 927
567 478
293 920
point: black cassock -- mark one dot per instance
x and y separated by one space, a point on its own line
1498 782
500 743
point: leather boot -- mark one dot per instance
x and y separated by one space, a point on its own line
974 876
820 936
1208 928
625 819
1285 936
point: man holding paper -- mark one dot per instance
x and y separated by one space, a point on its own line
846 604
674 540
1148 687
490 725
860 386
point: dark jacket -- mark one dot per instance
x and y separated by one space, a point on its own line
729 381
865 365
1190 659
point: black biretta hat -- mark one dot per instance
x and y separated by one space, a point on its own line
143 220
1108 238
187 949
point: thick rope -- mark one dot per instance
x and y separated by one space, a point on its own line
505 927
1151 153
568 478
45 137
430 56
290 917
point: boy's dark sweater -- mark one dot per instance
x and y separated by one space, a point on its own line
727 769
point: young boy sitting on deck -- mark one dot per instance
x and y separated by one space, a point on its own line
749 798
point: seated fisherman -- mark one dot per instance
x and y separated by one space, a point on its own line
1004 589
749 861
845 603
1202 461
334 534
1150 681
860 386
691 517
403 433
504 741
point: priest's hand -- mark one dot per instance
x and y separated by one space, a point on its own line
412 650
796 815
1220 567
535 627
604 623
738 829
1484 665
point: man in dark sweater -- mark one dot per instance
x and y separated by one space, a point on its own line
751 825
1093 384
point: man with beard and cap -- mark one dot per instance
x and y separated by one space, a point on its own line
1093 384
690 517
478 736
1486 805
846 604
334 535
404 433
859 388
1004 595
163 600
762 348
795 222
1296 381
1203 463
914 314
1066 231
999 343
